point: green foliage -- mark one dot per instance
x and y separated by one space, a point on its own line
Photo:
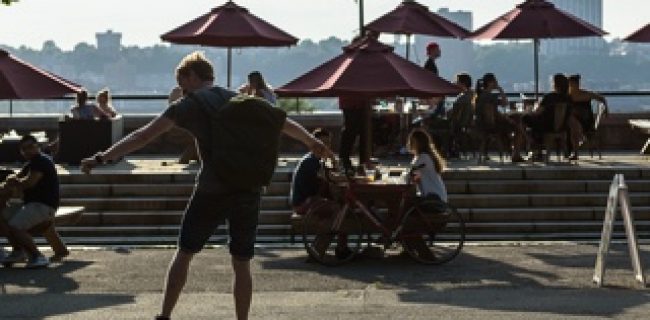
293 105
8 2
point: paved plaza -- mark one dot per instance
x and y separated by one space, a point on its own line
506 281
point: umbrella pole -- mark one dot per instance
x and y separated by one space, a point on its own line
11 108
361 25
229 66
408 46
536 63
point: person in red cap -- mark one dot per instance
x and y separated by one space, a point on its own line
433 53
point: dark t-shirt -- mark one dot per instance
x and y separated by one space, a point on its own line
305 182
548 104
487 109
187 113
431 66
46 191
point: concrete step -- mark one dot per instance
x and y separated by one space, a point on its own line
144 190
545 214
548 227
124 177
539 200
154 203
155 230
545 173
116 218
539 186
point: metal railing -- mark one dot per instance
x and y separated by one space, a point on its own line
620 101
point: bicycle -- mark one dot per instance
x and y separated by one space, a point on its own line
428 237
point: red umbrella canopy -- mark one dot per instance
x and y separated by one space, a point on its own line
641 35
230 26
411 17
368 68
536 19
21 80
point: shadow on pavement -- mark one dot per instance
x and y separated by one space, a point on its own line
482 283
49 286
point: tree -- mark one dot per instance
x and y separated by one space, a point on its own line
291 105
8 2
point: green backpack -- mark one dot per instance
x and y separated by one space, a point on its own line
245 139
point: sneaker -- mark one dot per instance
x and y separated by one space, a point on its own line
161 318
58 257
15 257
40 261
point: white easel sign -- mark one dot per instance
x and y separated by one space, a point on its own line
618 196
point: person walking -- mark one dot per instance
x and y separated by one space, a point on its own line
216 196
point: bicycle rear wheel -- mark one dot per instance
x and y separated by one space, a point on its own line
433 238
324 241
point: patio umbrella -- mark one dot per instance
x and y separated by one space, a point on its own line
230 26
371 69
411 18
536 19
641 35
21 80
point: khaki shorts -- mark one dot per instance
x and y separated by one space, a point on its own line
26 216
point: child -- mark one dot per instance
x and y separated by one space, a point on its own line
430 165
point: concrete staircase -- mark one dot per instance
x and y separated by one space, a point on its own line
499 203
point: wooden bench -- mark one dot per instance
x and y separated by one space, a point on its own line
63 216
643 126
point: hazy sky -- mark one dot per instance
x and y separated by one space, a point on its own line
67 22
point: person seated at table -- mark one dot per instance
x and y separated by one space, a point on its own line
306 184
307 187
105 104
256 86
430 165
584 123
84 110
39 184
462 112
542 119
488 97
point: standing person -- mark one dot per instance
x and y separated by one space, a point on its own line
433 53
356 122
583 121
258 87
489 96
213 199
105 104
39 183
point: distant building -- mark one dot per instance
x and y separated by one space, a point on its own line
588 10
109 41
457 55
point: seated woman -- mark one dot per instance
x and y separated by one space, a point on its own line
104 103
489 96
84 110
430 165
258 87
542 119
583 122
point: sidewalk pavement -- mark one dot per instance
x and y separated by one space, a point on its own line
484 282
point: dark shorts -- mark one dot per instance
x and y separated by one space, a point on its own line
206 211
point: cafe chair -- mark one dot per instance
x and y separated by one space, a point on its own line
558 136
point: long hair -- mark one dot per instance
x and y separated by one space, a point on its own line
256 80
419 141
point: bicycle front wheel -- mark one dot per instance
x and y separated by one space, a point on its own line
434 238
331 234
